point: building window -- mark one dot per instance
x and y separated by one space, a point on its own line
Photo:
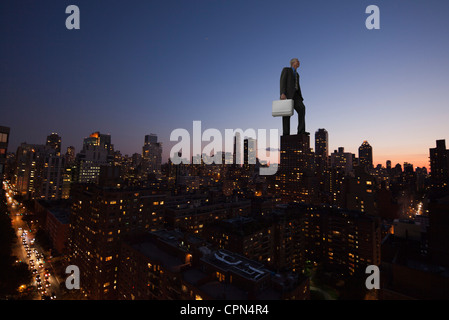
3 137
221 277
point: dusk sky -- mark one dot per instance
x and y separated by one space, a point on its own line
140 67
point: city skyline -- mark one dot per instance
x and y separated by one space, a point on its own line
257 152
119 73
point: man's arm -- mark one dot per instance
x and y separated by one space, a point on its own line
283 84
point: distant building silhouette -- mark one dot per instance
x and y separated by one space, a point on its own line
366 155
321 149
439 165
54 142
4 139
151 156
342 160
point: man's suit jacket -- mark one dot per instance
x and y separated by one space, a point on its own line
288 84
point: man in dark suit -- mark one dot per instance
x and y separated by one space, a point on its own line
290 89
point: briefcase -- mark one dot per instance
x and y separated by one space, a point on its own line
282 108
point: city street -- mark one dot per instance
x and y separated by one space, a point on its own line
27 250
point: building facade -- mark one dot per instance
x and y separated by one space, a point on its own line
100 216
4 140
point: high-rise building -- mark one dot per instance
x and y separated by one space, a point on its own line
150 138
249 155
361 192
321 147
30 159
249 151
289 245
170 265
39 172
366 155
343 239
97 151
237 155
70 156
54 142
342 160
51 184
4 139
100 216
151 156
69 171
439 165
247 236
295 176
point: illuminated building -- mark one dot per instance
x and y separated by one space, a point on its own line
151 156
193 215
250 237
361 192
295 176
249 154
51 185
54 142
97 151
439 165
366 154
70 156
341 239
167 265
342 160
321 149
30 159
288 239
4 139
100 216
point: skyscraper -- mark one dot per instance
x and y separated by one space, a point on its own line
366 155
237 155
30 160
321 150
295 173
439 165
97 150
100 216
51 184
249 152
150 138
54 142
4 139
70 156
151 155
342 160
322 143
388 166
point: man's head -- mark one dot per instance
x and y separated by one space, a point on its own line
294 63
